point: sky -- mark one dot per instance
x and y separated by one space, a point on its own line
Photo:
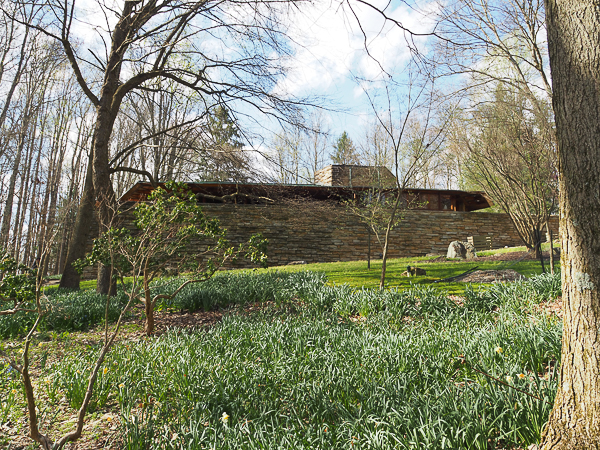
330 56
328 45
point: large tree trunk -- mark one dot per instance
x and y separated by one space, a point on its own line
98 183
106 114
83 225
103 188
574 43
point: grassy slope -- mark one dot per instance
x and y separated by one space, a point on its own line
357 274
312 374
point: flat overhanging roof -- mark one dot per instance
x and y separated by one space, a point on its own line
210 191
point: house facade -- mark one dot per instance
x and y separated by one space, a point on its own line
311 223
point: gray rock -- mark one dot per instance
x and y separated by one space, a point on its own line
462 250
456 249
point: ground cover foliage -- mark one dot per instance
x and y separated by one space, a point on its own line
66 311
327 367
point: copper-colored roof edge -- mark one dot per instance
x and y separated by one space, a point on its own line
139 184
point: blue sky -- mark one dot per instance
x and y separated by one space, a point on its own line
331 55
329 52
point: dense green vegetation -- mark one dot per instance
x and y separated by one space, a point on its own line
322 366
66 311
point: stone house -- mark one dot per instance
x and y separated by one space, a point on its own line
310 222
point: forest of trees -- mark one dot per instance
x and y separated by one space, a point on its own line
79 126
161 122
165 129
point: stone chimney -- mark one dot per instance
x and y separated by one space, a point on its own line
355 176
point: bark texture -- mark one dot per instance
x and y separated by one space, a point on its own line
106 114
70 278
574 43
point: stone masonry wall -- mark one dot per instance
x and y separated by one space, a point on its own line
335 235
331 234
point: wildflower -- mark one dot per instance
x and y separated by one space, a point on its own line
14 391
225 418
499 350
521 376
104 371
108 418
508 378
121 386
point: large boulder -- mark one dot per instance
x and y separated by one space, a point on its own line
462 250
456 249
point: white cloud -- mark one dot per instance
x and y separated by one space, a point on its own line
93 19
330 44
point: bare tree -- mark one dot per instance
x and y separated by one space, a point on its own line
33 93
411 149
315 144
510 150
501 47
145 45
375 147
286 161
494 41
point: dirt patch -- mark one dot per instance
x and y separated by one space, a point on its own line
552 307
201 319
515 256
165 320
436 260
491 276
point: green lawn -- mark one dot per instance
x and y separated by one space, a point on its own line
357 274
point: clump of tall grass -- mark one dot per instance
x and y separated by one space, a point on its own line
235 288
310 380
421 301
81 310
525 293
66 311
